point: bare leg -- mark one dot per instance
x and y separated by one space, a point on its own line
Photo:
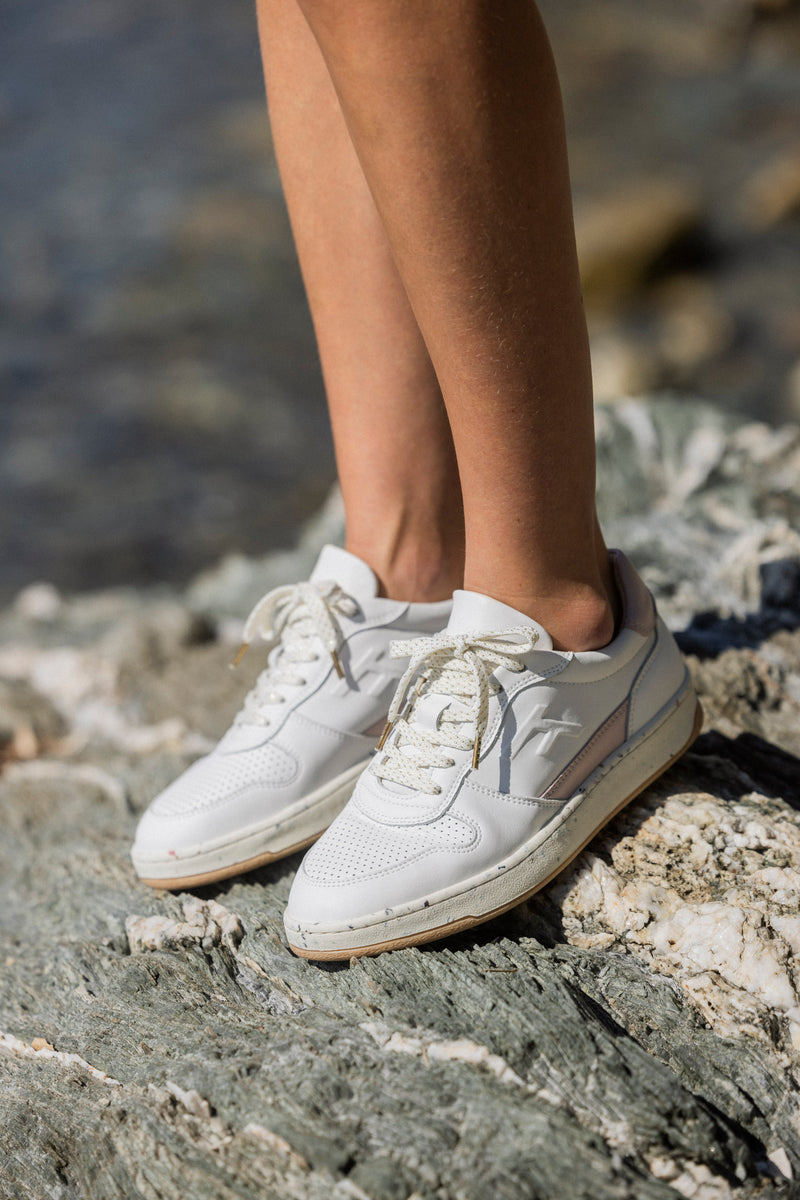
394 448
455 113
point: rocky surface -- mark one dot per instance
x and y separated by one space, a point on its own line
633 1031
161 398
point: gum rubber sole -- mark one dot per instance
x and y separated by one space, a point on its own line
240 868
448 929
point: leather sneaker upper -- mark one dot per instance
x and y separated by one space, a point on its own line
314 712
493 730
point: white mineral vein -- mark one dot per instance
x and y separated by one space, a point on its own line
707 893
277 1143
83 686
15 1045
693 1180
427 1046
206 924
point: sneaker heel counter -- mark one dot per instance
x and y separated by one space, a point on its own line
660 678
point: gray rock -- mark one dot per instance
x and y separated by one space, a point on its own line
632 1031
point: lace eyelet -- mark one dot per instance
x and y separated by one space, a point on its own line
451 762
437 791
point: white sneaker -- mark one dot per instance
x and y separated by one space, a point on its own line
291 758
504 762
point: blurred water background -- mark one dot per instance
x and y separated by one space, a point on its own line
161 399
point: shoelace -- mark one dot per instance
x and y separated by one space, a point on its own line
294 617
455 665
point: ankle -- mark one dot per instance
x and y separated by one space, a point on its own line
414 572
583 623
578 617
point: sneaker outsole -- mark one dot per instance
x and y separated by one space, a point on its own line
239 868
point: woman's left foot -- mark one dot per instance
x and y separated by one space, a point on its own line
504 760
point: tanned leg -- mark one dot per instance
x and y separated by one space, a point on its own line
455 113
394 448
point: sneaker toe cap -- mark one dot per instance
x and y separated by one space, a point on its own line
361 867
215 794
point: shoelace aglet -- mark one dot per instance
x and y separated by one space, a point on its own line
337 662
387 729
240 653
476 751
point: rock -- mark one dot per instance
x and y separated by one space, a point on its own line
620 367
631 1031
793 390
703 891
39 602
232 588
770 7
207 924
624 235
772 194
722 500
692 326
29 724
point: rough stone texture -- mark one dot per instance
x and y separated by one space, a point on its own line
633 1031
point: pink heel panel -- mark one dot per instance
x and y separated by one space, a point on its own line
638 609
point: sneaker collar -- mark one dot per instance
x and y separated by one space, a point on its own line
475 613
351 573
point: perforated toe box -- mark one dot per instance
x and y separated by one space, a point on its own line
212 794
359 859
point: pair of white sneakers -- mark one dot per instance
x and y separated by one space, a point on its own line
501 758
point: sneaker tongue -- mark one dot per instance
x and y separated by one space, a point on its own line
475 613
335 565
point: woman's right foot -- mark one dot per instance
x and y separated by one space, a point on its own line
506 757
290 760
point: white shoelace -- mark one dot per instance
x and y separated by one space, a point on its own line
296 618
452 665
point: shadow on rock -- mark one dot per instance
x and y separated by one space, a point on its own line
772 771
278 874
709 634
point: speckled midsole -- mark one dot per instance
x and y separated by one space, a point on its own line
607 790
295 826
